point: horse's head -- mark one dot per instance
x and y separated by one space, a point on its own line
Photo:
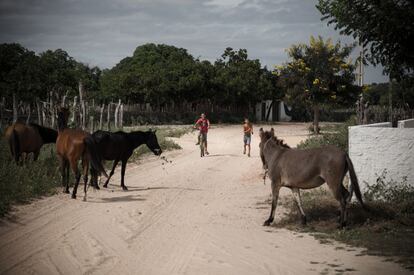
264 137
62 118
152 142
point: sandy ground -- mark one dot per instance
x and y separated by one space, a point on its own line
192 216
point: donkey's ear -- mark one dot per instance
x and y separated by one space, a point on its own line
272 132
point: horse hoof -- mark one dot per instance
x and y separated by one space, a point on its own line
66 192
124 188
267 223
96 187
105 185
73 196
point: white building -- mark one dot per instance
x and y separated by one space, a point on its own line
272 110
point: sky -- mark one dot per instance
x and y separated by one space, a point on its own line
102 32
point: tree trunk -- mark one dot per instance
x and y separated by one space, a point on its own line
101 116
14 108
121 116
91 124
116 115
2 104
29 111
51 111
316 113
44 117
39 113
108 118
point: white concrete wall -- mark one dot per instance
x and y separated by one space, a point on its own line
282 114
408 123
375 148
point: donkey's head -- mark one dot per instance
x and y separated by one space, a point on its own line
152 142
264 137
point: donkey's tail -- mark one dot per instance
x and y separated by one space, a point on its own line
94 156
14 143
354 183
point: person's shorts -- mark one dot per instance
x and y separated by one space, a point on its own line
247 139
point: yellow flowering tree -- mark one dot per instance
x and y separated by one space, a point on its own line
319 73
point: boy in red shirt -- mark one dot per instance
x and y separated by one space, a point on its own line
203 124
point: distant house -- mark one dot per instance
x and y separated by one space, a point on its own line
272 110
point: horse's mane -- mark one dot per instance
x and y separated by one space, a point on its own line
280 142
47 134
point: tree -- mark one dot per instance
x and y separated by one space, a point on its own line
242 80
19 74
318 74
386 27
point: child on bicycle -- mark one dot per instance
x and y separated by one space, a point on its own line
202 124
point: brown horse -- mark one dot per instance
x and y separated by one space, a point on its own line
306 169
73 145
28 138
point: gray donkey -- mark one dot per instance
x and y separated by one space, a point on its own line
306 169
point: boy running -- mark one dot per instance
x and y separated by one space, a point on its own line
203 124
248 132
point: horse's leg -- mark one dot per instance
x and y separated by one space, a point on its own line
75 169
123 167
63 168
275 195
112 172
85 168
296 195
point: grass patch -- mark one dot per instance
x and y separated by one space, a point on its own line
20 184
330 135
387 230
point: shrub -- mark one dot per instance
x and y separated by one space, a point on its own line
336 135
19 184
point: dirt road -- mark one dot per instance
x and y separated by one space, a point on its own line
192 216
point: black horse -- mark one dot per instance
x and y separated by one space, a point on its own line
119 146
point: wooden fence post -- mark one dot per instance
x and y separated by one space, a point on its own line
108 118
101 116
116 114
14 108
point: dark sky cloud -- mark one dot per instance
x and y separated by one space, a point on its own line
101 32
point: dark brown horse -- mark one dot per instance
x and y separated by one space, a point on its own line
28 138
119 146
73 145
306 169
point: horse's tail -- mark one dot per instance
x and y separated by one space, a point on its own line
94 156
14 143
354 183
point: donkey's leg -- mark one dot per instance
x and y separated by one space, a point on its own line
123 167
296 195
275 195
112 172
341 195
74 166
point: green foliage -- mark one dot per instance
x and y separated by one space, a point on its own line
386 27
336 135
163 74
28 75
389 190
318 74
402 94
19 184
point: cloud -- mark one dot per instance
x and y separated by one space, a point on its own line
102 32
